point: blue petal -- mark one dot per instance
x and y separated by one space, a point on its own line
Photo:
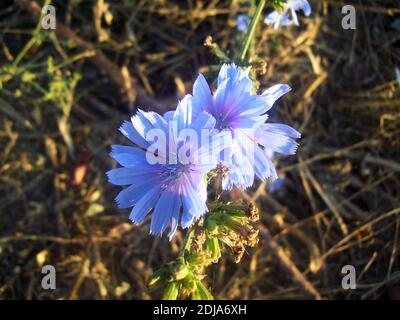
155 119
223 74
202 190
219 98
262 164
193 206
277 142
183 113
208 156
144 205
203 121
169 115
143 122
273 18
301 5
128 197
282 129
235 74
130 158
176 206
285 19
248 122
163 212
130 132
306 8
274 93
118 148
229 71
202 98
294 16
227 183
253 105
272 174
240 171
126 176
231 99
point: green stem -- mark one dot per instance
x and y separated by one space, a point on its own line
187 242
252 28
32 41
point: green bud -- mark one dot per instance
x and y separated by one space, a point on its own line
212 246
180 271
196 259
238 225
157 277
278 4
154 279
212 226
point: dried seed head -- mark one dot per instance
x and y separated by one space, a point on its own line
253 238
242 230
252 212
199 240
238 253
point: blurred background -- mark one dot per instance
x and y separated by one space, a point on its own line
64 93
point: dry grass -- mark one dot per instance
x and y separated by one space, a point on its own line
340 202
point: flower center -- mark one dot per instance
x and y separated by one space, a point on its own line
171 173
222 122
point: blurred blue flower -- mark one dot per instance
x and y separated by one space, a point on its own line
242 113
175 190
242 22
278 18
275 185
278 183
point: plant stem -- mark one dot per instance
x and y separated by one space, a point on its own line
187 242
252 28
32 41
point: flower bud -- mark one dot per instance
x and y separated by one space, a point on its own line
157 277
212 246
212 226
180 271
196 259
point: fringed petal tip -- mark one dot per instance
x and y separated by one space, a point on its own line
108 174
294 148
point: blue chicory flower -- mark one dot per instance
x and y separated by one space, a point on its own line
242 113
175 190
278 18
242 22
